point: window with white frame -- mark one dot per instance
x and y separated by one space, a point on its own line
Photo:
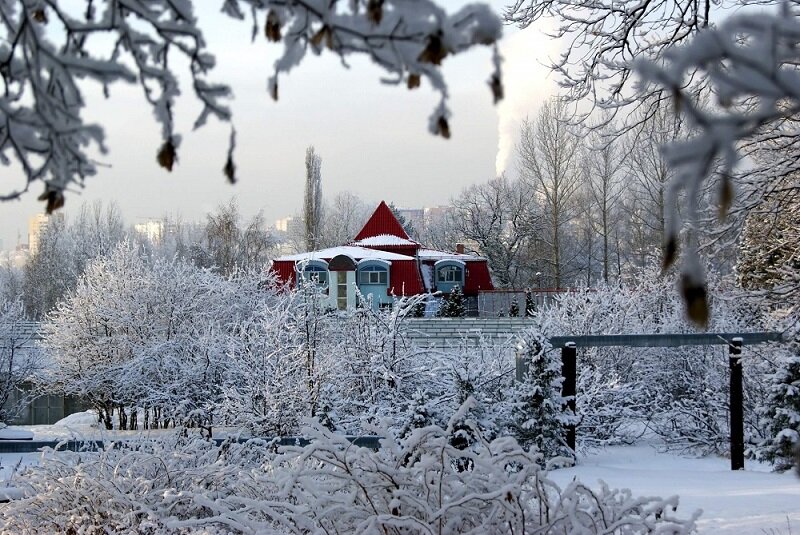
373 275
450 274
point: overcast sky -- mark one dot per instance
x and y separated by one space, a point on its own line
372 138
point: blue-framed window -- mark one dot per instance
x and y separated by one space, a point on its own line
317 274
451 274
373 275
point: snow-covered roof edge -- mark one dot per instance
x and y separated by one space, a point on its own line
433 254
353 251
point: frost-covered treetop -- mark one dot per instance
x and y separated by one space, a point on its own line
47 46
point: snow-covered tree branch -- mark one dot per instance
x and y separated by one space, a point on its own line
750 63
48 48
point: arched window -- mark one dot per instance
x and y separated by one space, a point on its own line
450 274
315 271
373 274
316 274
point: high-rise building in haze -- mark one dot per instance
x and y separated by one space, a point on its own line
37 225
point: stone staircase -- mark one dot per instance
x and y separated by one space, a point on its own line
448 332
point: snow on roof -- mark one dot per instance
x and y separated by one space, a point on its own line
384 239
433 254
354 252
382 221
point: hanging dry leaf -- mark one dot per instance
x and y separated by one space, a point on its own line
375 11
413 81
54 199
167 156
230 170
434 51
695 298
442 128
40 16
273 89
496 86
272 28
725 196
325 33
677 100
670 253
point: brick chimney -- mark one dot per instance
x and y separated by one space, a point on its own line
460 248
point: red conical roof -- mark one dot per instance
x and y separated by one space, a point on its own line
382 222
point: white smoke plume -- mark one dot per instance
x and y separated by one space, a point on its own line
527 83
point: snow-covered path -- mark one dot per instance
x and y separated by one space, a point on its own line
753 501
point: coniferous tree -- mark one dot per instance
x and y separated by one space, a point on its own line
782 410
453 305
539 411
418 414
514 310
530 304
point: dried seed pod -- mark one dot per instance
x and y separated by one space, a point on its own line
325 33
39 15
54 200
230 170
496 85
670 253
273 88
167 156
413 81
442 128
272 28
434 51
695 297
375 11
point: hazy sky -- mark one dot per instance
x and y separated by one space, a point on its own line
372 138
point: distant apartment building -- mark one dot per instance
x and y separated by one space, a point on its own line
289 225
153 230
37 225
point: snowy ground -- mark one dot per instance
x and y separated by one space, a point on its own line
753 501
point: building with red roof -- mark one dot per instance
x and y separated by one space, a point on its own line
381 262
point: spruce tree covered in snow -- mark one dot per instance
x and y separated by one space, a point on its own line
539 410
782 411
418 414
530 303
453 304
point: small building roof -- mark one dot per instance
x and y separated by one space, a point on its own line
385 240
433 254
354 252
382 222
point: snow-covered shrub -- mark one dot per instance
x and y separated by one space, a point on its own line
137 336
142 486
483 369
189 485
540 412
276 363
678 393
